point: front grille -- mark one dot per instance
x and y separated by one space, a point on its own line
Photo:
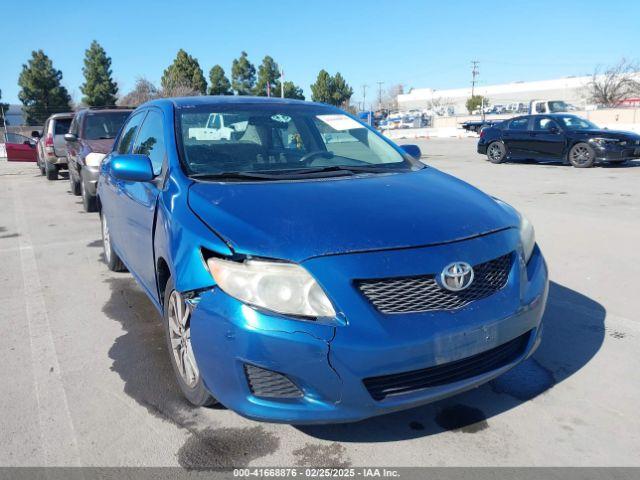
397 384
269 384
424 294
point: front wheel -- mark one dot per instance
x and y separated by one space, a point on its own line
111 258
177 322
496 152
582 155
88 201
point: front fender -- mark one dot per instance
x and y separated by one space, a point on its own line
179 237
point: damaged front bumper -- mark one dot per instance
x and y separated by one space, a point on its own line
330 363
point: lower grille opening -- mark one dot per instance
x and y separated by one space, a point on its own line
269 384
400 383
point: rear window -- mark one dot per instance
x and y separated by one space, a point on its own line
519 124
103 125
61 126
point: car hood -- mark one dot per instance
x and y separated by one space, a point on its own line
618 134
297 220
100 146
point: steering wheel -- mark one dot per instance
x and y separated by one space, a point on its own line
316 153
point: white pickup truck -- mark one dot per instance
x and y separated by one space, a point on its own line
218 127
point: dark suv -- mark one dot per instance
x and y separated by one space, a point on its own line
90 138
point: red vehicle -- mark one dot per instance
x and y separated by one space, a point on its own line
20 148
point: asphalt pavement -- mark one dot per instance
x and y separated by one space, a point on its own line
86 378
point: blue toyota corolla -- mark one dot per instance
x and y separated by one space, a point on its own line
307 269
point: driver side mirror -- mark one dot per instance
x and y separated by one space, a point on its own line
70 137
132 168
554 129
412 150
35 134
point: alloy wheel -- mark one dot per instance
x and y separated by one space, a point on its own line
580 155
180 336
495 152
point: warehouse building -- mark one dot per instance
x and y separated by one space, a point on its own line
570 89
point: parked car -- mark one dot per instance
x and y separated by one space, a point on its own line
569 138
20 148
304 282
477 125
51 146
90 138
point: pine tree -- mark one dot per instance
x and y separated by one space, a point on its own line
218 82
243 75
322 89
332 90
42 94
291 90
268 74
184 74
341 91
99 89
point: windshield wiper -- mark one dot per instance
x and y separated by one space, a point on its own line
234 176
348 169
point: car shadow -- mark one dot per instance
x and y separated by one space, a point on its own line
573 333
558 163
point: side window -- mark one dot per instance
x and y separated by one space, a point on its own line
129 133
150 140
74 126
519 123
544 124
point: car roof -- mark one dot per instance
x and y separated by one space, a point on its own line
181 102
56 116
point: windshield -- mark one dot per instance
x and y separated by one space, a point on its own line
277 139
576 123
103 125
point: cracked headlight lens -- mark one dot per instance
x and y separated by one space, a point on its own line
281 287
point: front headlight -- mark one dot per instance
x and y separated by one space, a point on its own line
527 237
601 141
281 287
94 159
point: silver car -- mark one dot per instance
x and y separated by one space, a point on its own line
52 147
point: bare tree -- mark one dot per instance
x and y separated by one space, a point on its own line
142 92
617 83
390 97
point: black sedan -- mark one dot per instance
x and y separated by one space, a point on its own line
560 136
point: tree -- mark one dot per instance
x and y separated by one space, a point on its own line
99 89
142 92
475 102
341 92
332 90
321 90
243 75
42 93
291 90
617 83
268 75
183 75
218 82
4 107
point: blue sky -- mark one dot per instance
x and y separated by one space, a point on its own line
416 43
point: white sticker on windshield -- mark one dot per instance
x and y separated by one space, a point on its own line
339 122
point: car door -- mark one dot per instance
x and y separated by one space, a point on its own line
141 198
547 138
115 204
20 148
73 149
516 137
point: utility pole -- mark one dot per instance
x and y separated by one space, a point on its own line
364 97
380 95
474 73
4 121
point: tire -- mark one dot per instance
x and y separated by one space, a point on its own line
111 258
89 201
496 152
75 186
41 167
582 155
51 171
177 333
